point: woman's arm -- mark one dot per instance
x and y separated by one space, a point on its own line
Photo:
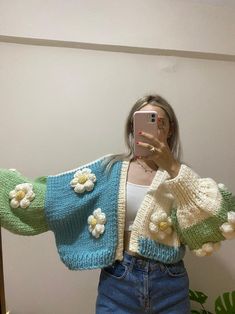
22 203
204 213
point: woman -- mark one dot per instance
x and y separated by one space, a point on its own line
130 217
138 284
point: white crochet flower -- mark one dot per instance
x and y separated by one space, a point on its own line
222 186
207 249
228 228
22 195
160 224
96 222
83 180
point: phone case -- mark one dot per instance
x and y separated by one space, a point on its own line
146 122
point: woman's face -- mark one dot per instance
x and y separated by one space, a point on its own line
164 129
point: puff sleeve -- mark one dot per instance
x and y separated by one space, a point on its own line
204 213
22 203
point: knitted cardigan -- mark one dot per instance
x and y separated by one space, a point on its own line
85 209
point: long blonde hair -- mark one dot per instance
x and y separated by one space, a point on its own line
173 141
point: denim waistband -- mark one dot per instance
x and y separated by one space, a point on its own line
146 263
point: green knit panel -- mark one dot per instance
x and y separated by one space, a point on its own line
228 204
207 230
203 232
23 221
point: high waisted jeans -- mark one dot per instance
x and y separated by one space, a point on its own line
139 285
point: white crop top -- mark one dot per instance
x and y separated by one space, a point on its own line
134 196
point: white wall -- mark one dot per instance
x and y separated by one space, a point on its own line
167 24
60 105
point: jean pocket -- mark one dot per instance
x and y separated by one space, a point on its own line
116 270
176 270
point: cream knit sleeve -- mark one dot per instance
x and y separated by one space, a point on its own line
22 203
205 211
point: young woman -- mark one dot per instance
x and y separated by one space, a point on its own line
131 217
138 284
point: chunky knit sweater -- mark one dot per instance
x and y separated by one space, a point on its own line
85 209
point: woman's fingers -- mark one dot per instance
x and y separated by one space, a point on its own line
153 140
148 146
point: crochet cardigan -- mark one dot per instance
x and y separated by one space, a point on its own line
85 209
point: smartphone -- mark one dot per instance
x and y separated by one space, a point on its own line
145 121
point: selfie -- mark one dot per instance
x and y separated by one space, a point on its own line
117 191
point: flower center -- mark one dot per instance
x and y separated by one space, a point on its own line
82 179
163 225
20 195
93 222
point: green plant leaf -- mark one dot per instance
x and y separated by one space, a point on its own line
197 296
200 312
229 305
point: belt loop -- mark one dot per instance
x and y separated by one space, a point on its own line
147 266
131 263
162 266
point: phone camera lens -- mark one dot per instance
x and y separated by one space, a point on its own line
153 120
153 115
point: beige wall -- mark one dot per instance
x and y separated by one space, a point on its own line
62 107
167 24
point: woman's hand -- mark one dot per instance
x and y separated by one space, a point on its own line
162 156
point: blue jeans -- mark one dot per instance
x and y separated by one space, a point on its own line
138 285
